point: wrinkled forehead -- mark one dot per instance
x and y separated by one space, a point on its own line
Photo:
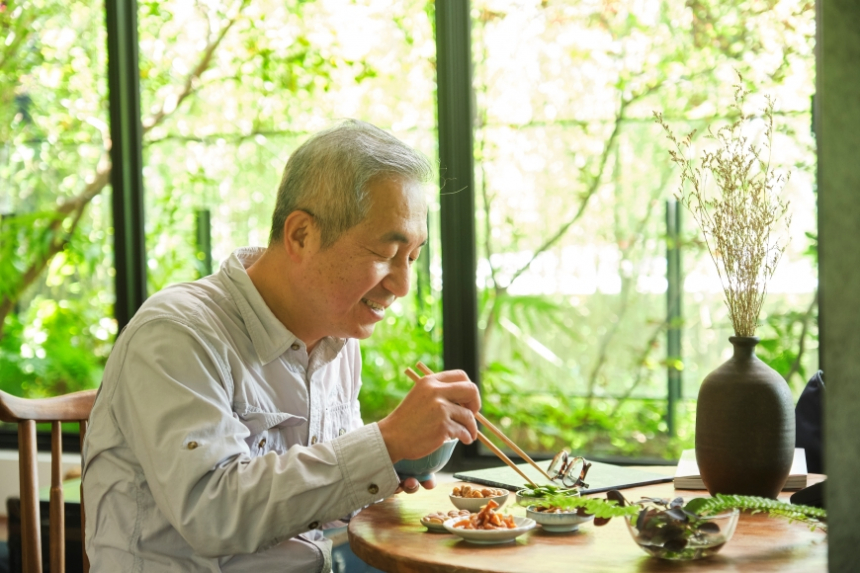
387 187
398 196
397 209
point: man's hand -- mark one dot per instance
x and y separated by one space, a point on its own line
411 485
440 406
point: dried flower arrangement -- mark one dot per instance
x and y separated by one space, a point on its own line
739 220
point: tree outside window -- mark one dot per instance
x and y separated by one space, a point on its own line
572 181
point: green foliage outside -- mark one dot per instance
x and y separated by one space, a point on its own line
571 173
408 334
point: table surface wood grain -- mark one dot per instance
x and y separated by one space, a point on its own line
388 536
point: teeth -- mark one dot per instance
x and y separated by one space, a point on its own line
373 305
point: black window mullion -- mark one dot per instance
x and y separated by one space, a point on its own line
457 181
126 158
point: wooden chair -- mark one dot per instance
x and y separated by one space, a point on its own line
73 407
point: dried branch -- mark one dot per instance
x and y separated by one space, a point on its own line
626 289
593 186
584 123
640 361
172 103
738 221
75 207
58 238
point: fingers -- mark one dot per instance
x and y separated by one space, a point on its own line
446 375
410 485
458 389
463 393
438 407
466 428
459 400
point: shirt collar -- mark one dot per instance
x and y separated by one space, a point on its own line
268 334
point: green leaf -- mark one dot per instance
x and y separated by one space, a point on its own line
695 504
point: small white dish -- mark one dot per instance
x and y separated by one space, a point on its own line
439 517
491 536
474 504
436 527
558 522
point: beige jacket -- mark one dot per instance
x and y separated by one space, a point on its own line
217 443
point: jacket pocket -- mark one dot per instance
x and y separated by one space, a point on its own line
264 428
338 421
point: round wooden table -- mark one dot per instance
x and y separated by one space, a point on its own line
388 536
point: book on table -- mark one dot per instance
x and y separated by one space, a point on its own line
687 475
601 477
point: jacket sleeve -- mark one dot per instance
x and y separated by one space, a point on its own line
173 405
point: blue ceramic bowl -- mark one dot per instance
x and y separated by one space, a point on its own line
423 469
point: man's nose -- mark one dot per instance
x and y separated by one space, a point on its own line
397 281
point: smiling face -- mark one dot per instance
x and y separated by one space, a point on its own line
352 282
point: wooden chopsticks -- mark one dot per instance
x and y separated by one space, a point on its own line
510 443
484 439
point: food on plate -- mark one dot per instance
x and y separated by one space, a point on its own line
550 509
470 492
440 517
553 509
547 491
487 519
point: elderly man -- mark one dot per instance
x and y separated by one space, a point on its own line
227 432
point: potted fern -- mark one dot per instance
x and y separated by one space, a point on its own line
679 530
745 429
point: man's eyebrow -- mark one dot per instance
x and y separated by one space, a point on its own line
396 237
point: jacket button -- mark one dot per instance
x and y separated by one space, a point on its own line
314 525
373 489
341 432
262 443
313 440
295 346
192 445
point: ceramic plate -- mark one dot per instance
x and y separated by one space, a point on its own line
474 504
491 536
437 527
443 516
558 522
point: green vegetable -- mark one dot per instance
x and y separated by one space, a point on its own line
599 508
544 491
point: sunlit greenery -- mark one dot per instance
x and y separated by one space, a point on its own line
571 172
573 178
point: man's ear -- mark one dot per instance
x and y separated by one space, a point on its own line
301 234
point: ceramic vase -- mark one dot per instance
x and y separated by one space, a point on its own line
744 425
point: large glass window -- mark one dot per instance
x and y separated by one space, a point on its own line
228 95
56 276
573 185
573 181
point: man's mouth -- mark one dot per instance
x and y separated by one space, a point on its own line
375 306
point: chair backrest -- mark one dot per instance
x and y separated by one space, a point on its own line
73 407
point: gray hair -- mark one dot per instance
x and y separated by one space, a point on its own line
328 176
